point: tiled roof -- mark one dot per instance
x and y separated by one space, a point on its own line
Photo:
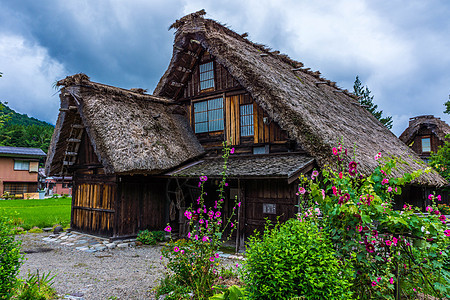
279 166
21 151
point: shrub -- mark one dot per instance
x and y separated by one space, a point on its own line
146 237
36 287
10 258
295 259
160 236
35 230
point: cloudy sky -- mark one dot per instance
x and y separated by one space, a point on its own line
399 49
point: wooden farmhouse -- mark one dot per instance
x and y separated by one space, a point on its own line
425 134
136 158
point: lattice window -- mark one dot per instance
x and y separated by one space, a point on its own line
246 114
426 144
14 188
208 115
207 76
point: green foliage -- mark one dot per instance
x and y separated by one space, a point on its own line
10 257
367 100
393 252
440 160
146 237
295 259
193 263
35 230
159 235
36 287
173 291
19 130
234 292
38 212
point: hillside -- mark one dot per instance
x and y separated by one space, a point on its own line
20 130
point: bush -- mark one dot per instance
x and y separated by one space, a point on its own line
36 287
160 236
10 258
295 259
35 230
146 237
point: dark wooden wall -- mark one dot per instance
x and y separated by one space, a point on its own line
256 193
141 204
424 133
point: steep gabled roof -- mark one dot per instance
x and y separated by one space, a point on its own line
429 122
131 132
21 152
313 111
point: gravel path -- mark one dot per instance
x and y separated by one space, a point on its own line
129 273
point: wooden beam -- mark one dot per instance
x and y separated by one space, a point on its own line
73 140
78 126
71 153
64 109
189 52
320 82
264 54
72 107
183 69
68 163
177 84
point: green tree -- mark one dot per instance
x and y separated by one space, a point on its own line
366 100
441 159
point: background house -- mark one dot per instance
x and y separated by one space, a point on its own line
58 185
19 170
425 134
136 158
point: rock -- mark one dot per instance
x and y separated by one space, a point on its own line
111 246
58 229
132 244
105 242
47 229
101 248
122 245
81 242
82 248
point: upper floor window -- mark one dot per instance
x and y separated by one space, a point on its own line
21 165
426 144
207 76
208 115
246 118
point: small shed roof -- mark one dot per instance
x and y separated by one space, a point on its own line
429 122
285 166
131 132
21 152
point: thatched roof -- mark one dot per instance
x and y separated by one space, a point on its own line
313 110
427 122
131 132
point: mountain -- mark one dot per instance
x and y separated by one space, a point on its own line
20 130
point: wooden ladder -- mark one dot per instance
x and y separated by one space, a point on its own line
73 144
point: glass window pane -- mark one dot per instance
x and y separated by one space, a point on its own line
426 145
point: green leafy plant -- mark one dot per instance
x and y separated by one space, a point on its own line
394 253
35 230
234 292
193 262
36 287
10 257
295 259
146 237
160 235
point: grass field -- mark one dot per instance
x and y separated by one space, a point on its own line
40 213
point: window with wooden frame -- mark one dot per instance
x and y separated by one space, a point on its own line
208 115
21 165
246 118
426 144
206 76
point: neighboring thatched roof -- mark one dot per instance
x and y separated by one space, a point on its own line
131 133
428 122
310 108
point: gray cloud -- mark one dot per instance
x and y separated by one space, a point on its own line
400 50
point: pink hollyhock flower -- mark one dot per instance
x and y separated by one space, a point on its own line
216 255
447 232
429 239
430 197
232 151
340 175
203 178
205 239
378 279
323 194
370 248
352 165
218 213
352 172
374 283
335 151
388 243
315 173
201 221
389 189
375 233
226 183
188 214
168 229
196 237
442 218
211 259
221 200
429 209
301 190
182 251
359 228
239 204
439 197
334 191
176 249
436 212
394 241
189 235
232 224
391 281
384 181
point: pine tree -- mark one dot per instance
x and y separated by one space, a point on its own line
366 100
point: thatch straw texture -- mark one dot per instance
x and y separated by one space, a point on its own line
428 122
131 133
311 109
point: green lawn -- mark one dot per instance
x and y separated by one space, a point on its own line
40 213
